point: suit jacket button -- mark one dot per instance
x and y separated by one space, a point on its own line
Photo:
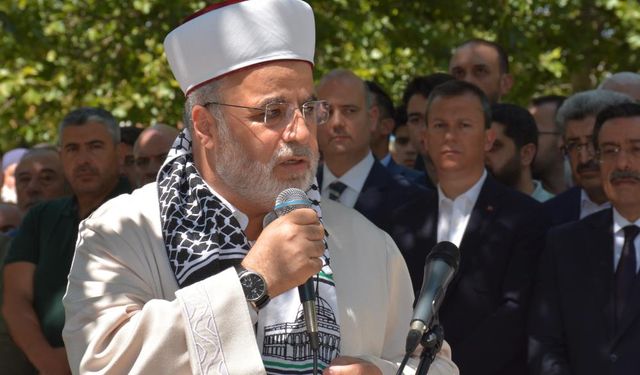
613 358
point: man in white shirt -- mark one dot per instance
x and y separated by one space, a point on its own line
499 232
351 175
586 308
576 118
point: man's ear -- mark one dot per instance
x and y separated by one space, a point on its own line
490 137
203 126
527 154
506 83
374 114
386 126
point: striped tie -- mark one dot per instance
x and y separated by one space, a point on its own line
335 190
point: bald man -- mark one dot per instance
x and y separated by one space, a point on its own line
151 149
624 83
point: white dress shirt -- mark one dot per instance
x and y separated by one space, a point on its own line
354 179
619 223
385 160
453 215
588 207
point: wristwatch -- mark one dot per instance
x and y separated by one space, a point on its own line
253 286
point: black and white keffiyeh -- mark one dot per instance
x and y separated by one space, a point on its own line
203 237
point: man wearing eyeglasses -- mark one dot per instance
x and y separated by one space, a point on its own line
184 276
576 118
151 149
585 315
549 164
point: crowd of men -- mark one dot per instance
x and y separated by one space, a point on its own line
145 250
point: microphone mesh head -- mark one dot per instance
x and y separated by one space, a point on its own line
291 199
446 251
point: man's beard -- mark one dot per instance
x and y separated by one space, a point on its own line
510 173
253 180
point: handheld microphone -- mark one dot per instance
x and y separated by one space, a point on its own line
440 268
287 201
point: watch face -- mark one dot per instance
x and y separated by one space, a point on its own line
253 286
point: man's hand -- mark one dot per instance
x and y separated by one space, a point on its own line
352 366
55 363
287 252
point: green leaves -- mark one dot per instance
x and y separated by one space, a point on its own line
57 55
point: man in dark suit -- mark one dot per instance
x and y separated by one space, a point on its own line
585 316
575 118
384 118
499 231
351 174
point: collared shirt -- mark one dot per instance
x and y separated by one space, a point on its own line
453 215
619 222
588 207
47 238
539 193
385 160
354 179
242 218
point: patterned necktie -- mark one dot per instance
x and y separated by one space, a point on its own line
335 190
626 271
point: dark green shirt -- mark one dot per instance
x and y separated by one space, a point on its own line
47 238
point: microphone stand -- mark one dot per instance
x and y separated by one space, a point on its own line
431 343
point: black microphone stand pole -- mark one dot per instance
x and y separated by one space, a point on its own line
431 343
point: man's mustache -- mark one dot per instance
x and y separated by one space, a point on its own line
619 175
589 166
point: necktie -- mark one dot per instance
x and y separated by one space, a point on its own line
626 271
335 190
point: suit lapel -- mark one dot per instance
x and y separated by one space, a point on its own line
482 213
631 311
372 193
600 256
481 217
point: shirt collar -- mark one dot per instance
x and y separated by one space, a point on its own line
354 178
585 201
240 216
385 160
470 196
620 222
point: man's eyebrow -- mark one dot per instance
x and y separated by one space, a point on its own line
271 100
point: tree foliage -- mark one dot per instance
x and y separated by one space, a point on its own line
58 55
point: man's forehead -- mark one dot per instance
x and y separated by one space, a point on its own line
581 127
626 127
474 54
86 133
269 80
342 92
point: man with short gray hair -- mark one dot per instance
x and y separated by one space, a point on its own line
623 82
575 119
38 261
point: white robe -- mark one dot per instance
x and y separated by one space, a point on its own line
126 315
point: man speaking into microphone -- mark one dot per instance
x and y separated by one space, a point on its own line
180 277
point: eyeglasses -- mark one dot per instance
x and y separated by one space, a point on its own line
275 115
575 148
610 152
